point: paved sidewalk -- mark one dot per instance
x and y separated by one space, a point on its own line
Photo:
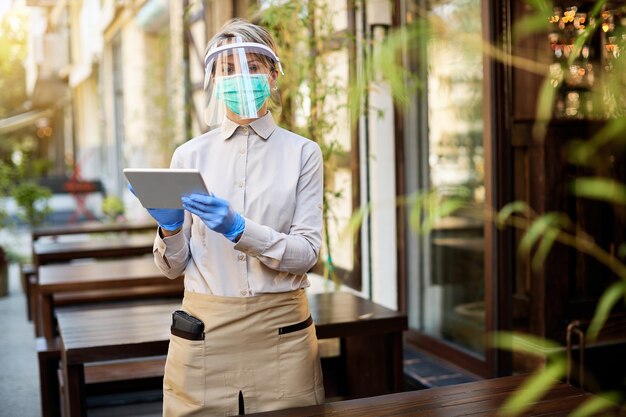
19 378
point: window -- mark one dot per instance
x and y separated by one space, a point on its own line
444 140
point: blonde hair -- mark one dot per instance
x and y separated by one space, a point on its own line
247 32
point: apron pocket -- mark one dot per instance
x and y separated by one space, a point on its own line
184 370
297 362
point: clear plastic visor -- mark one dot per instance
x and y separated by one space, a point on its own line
238 78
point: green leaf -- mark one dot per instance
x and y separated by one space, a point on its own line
545 245
582 152
539 227
596 404
597 7
533 388
535 23
439 210
525 343
580 41
599 188
609 298
356 220
545 106
510 209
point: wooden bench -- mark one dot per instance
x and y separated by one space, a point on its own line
481 398
100 378
104 280
140 292
121 246
28 274
46 252
371 341
92 227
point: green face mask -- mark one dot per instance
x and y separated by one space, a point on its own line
243 94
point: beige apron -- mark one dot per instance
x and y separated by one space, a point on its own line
243 358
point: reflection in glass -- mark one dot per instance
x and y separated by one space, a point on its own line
452 296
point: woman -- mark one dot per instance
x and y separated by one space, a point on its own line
245 249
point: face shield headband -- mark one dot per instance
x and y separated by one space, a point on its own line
237 80
252 47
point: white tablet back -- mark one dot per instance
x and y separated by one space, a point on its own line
163 188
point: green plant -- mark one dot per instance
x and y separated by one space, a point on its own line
112 207
311 96
32 201
606 102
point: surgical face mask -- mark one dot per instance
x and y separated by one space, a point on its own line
243 94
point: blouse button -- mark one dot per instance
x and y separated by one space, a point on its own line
242 150
241 256
240 184
244 292
245 130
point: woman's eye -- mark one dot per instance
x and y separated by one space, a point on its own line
253 68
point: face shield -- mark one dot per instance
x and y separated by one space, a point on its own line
238 78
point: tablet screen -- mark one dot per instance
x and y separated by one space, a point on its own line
163 188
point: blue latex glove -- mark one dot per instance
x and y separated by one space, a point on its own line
216 213
168 219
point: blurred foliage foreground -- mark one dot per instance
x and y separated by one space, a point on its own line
562 96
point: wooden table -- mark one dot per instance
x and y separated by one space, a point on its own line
124 274
481 398
371 340
90 227
110 247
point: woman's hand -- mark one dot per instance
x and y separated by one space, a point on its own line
216 213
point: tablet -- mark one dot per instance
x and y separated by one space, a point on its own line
163 188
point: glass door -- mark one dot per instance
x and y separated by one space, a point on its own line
444 140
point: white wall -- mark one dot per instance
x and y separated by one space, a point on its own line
381 160
383 199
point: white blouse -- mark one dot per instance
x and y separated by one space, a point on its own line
274 179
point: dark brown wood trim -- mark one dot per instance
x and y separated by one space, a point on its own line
496 110
401 220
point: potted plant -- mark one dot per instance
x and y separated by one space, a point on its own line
113 208
32 200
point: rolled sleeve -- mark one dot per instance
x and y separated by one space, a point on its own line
255 239
171 254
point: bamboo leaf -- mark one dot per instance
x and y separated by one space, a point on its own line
596 404
580 41
609 298
439 210
537 229
597 7
541 254
507 211
531 24
545 106
582 152
356 220
524 343
598 188
415 216
533 388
